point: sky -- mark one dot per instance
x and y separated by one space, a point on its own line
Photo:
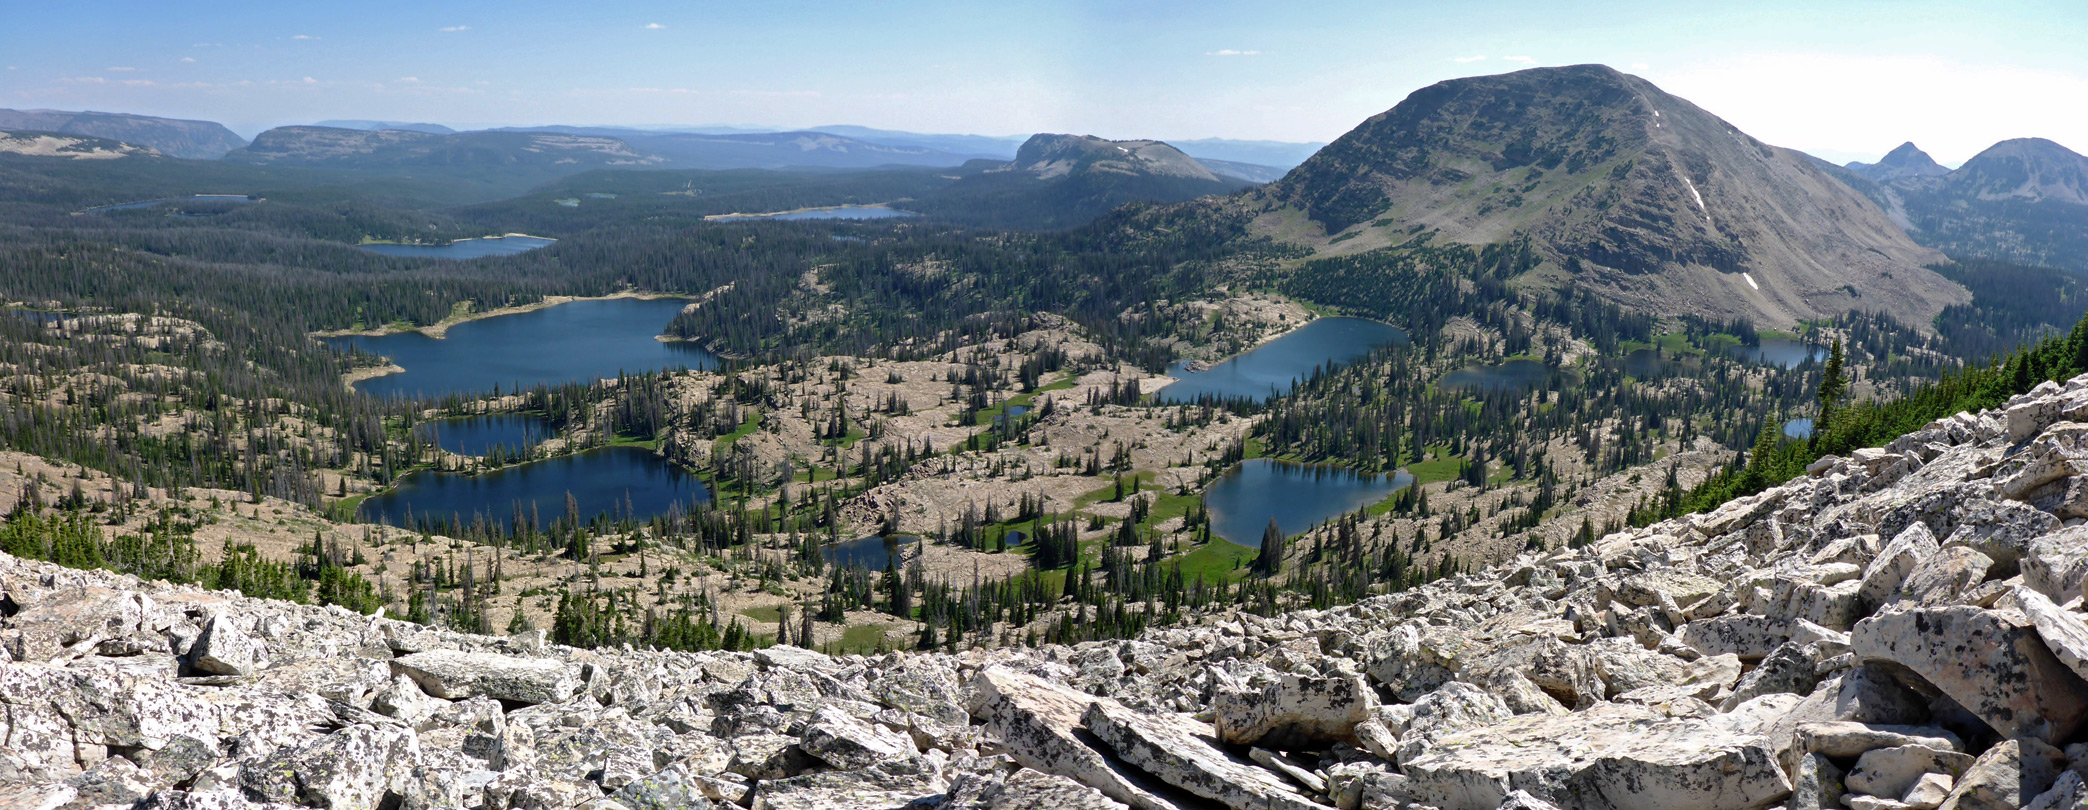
1843 79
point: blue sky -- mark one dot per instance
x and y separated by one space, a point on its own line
1843 79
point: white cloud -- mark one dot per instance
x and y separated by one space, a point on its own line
1639 66
304 36
654 26
409 79
1523 59
1231 52
454 29
310 80
122 69
1468 59
188 59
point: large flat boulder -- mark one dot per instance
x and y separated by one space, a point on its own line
1181 752
1992 662
1612 756
1038 722
454 675
1294 711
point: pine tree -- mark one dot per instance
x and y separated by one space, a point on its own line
1834 384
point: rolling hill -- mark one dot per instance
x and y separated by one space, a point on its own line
1060 181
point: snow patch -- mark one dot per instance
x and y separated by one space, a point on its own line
1750 280
1699 200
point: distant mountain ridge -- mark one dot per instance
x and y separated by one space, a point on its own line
333 147
2023 200
1623 189
196 140
432 129
76 147
1061 181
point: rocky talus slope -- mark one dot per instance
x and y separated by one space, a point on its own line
1901 629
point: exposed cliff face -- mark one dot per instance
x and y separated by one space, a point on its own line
1640 194
1901 628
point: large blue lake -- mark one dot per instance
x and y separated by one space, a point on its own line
836 212
578 341
1297 496
1275 367
465 248
619 481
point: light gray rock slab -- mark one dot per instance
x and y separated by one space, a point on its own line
1293 711
1891 771
2063 631
2007 777
224 649
454 675
1038 723
1610 756
1179 751
1991 662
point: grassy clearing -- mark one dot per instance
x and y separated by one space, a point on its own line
1440 466
746 428
860 639
767 614
1220 560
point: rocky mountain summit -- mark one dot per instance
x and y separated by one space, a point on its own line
195 140
1899 629
1640 195
1905 160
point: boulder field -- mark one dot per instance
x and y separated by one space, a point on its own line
1899 629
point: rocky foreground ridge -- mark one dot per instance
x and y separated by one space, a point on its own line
1901 629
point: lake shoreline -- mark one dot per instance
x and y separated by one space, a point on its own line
440 329
739 216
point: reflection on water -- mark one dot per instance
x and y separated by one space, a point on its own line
618 481
1297 496
1276 366
579 341
465 248
871 552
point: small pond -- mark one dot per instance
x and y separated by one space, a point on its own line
199 198
465 248
1799 428
1514 375
1297 496
871 552
1780 352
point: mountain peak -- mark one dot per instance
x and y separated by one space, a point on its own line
1634 192
1905 160
2031 169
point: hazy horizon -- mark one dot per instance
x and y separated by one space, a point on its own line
1847 82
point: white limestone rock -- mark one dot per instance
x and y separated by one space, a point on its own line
1180 751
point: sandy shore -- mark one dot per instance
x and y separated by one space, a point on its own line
768 214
